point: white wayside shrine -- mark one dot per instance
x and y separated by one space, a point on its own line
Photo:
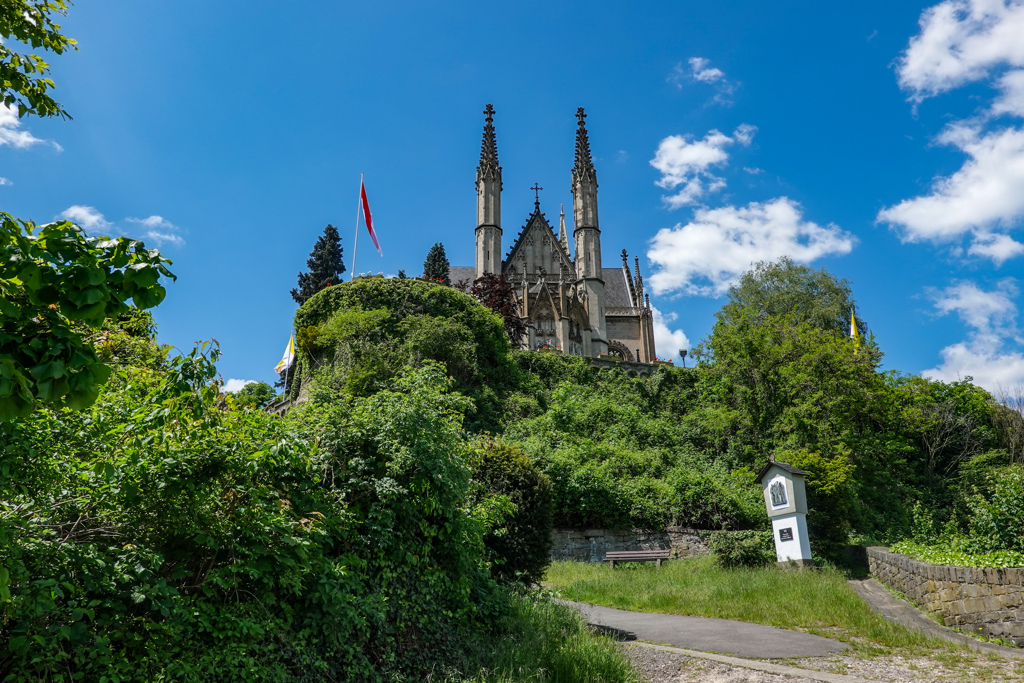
786 500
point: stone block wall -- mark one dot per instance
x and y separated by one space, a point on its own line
590 545
989 601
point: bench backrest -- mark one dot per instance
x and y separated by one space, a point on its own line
626 555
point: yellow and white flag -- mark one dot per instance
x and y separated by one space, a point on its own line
288 358
854 332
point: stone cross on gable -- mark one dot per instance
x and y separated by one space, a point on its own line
536 193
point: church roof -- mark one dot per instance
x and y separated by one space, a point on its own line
538 220
456 273
616 289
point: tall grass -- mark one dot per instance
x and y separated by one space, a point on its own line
541 641
819 601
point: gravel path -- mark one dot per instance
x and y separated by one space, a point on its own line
658 666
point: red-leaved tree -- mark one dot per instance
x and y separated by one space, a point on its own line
495 292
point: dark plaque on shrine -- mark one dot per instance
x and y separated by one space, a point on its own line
786 534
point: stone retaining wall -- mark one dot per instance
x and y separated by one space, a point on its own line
590 545
988 601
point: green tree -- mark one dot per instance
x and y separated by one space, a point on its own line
436 267
254 395
787 288
24 81
325 266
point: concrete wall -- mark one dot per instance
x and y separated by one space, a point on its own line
590 545
985 601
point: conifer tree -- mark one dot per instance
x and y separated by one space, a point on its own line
436 267
325 266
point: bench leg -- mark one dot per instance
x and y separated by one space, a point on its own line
612 563
659 564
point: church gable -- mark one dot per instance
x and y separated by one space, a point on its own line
537 249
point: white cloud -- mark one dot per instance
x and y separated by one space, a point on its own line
153 229
159 230
991 353
667 342
5 181
753 170
1011 97
12 134
700 71
987 192
87 217
685 164
233 385
961 41
984 311
705 256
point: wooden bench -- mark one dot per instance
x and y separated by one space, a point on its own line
637 556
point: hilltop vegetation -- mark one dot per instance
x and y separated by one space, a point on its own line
377 532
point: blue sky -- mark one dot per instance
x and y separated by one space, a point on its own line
883 141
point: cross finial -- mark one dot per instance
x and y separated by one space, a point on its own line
536 193
580 114
625 258
489 110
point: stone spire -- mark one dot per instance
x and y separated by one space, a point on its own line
563 234
584 168
489 168
488 202
639 282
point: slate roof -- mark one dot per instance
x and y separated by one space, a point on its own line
456 273
616 291
781 465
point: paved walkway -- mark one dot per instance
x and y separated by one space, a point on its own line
902 612
709 635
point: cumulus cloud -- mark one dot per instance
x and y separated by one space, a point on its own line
12 134
986 193
705 256
961 41
667 341
87 217
991 354
160 230
233 385
685 164
1011 94
153 229
5 181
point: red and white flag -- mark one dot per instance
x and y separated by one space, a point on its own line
366 217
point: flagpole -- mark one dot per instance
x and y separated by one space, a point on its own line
355 245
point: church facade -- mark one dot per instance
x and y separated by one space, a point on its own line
573 303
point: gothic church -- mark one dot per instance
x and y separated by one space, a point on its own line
573 305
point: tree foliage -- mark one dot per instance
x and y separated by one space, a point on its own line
51 278
254 395
436 266
24 83
786 288
497 294
325 265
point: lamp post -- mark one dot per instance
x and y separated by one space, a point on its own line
682 354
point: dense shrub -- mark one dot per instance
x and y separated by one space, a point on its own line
743 548
521 543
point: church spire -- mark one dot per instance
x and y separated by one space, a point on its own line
639 281
563 234
584 168
488 202
489 168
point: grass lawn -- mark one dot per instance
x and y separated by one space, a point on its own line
816 601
